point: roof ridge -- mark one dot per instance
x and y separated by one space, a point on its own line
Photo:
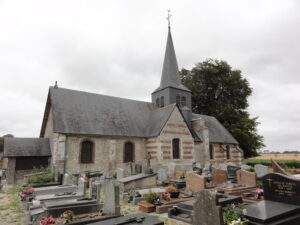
97 94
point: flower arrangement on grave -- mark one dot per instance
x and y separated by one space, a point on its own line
26 192
174 193
47 220
67 216
259 192
232 215
150 197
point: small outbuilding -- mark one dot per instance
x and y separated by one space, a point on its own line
22 155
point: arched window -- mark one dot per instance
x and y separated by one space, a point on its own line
128 152
157 102
176 148
178 100
227 152
211 151
87 152
162 101
183 101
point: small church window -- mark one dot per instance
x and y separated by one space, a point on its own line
227 152
87 152
157 102
211 151
176 148
162 101
178 100
128 152
183 101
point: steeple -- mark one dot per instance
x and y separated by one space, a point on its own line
171 90
170 73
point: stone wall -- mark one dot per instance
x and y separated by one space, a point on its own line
160 148
107 149
219 155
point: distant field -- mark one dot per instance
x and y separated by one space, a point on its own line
279 156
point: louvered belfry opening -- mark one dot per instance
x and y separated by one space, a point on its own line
128 152
176 148
87 152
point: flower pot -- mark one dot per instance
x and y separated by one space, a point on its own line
174 194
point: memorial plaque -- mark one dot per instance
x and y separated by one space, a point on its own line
281 188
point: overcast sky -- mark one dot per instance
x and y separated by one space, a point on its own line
117 47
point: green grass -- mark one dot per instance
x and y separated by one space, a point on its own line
266 162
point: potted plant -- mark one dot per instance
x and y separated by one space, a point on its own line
174 193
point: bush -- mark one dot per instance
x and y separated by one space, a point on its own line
42 176
150 197
266 162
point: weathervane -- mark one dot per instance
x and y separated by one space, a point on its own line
169 17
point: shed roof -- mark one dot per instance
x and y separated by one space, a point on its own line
21 147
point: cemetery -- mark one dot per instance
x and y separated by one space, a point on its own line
181 158
196 196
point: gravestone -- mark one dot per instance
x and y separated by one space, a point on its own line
206 210
245 167
260 170
162 174
246 178
111 205
120 173
231 170
195 182
219 177
281 188
81 186
281 205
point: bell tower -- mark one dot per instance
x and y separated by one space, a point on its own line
171 90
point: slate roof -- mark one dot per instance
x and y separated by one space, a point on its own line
217 132
170 73
78 112
21 147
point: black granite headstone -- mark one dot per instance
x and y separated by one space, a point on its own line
281 188
231 170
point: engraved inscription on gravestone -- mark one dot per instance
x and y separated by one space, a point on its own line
281 188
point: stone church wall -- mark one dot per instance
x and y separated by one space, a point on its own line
106 149
160 148
219 155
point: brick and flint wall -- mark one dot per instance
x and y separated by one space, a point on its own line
160 148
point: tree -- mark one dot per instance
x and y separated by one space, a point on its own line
220 91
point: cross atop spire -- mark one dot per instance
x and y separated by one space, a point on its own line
169 18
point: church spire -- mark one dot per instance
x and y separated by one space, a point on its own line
170 74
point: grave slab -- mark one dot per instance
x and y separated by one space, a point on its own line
145 219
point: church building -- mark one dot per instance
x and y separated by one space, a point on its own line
88 131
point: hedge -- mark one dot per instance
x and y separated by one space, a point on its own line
266 162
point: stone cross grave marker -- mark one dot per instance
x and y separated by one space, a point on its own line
260 170
206 210
281 188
